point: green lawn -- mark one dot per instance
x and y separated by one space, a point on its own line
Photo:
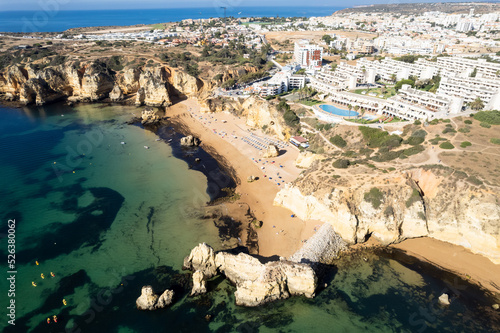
159 26
390 91
310 102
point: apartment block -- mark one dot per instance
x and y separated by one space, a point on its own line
469 88
308 55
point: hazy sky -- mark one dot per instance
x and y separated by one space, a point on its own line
50 5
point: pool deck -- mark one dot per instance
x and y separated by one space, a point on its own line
330 117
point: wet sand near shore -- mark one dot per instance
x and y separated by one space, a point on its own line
281 234
457 259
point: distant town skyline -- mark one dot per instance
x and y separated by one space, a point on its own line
50 5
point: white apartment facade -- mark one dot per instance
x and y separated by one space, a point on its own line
308 55
469 88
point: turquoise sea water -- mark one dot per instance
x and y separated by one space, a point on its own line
127 216
336 111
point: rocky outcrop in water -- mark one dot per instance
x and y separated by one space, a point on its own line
199 284
202 259
190 141
434 203
94 81
256 283
150 117
150 301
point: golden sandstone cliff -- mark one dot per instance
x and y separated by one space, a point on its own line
258 113
93 81
418 202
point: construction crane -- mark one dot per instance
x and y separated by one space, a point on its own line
224 15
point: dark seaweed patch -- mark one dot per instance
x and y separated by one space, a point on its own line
87 229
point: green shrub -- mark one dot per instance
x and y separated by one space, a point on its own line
446 145
465 144
338 141
446 121
375 197
464 130
449 130
341 164
485 125
417 122
436 140
377 138
434 122
468 122
387 156
415 196
474 180
291 119
495 141
489 117
350 153
417 137
413 150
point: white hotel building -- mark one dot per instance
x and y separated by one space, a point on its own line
412 104
307 55
469 88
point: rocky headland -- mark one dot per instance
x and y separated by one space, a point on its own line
93 81
256 283
432 201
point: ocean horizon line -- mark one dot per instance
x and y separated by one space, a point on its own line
164 8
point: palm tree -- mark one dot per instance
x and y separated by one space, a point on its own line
393 77
477 104
350 108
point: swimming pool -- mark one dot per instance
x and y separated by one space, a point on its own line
339 112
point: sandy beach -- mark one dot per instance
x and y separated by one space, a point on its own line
457 259
282 234
221 135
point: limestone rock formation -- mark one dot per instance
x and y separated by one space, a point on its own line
129 80
413 204
116 95
257 112
271 151
149 117
239 268
251 178
190 141
201 258
324 246
165 299
147 300
182 83
93 81
306 159
153 87
37 91
96 82
199 284
256 283
150 301
444 299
